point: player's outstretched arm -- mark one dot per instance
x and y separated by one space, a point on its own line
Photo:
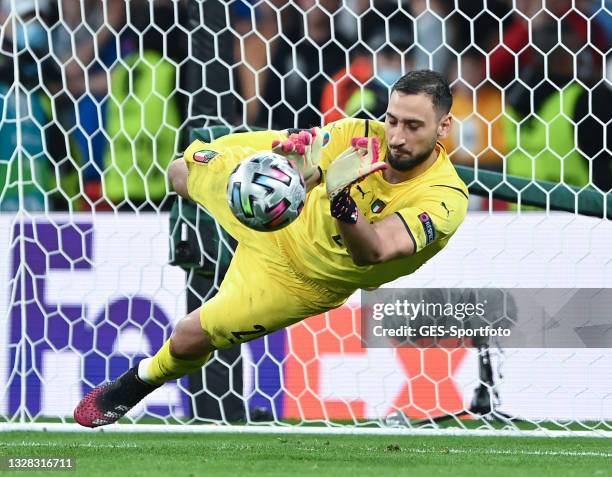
367 243
379 242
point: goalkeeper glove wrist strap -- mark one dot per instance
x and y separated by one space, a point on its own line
318 169
343 207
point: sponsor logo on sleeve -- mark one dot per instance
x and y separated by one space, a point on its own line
204 156
428 227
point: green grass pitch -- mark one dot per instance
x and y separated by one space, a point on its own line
190 455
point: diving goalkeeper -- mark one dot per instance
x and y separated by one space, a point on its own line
367 220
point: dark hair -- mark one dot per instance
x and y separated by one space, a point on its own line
427 82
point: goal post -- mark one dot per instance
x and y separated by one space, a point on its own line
101 259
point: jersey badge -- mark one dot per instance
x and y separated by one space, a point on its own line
377 206
204 156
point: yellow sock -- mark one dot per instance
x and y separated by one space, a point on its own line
164 367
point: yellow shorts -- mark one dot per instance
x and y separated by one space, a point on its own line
261 292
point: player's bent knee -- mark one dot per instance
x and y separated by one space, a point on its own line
178 174
189 340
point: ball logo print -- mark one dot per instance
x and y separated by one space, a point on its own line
265 192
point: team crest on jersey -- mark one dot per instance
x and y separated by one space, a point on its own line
204 156
377 206
428 227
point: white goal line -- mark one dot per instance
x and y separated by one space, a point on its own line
319 430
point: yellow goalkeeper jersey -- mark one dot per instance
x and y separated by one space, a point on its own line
431 206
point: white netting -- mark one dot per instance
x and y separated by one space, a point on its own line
98 97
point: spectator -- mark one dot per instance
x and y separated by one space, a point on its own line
435 32
477 108
384 51
600 14
546 119
145 109
251 51
304 60
287 91
363 90
21 100
86 41
531 17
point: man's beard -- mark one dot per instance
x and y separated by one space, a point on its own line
408 163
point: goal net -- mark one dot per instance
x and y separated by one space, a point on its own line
101 261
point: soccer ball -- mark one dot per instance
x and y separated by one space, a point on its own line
265 192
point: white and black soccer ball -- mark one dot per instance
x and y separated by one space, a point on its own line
265 192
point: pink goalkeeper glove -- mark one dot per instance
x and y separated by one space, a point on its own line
353 165
304 149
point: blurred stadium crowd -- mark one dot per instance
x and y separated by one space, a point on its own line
107 94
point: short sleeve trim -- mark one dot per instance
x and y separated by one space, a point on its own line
408 230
